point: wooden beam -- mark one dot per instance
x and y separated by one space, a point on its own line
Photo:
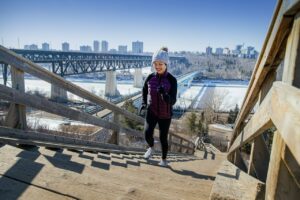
281 183
181 146
259 157
115 137
286 115
21 135
58 109
260 122
272 177
34 69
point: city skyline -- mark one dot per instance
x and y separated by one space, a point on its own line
182 26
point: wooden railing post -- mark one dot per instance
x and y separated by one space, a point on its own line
259 157
239 161
115 137
281 182
180 148
16 117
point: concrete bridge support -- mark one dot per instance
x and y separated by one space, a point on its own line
111 84
4 71
16 117
138 78
58 94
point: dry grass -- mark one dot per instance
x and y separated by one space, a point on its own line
81 129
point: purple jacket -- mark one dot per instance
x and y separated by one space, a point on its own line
160 104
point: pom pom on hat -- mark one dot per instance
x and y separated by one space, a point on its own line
161 55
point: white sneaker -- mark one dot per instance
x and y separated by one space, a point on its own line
148 153
163 163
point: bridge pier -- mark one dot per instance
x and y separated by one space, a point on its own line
16 117
111 84
58 94
4 73
138 78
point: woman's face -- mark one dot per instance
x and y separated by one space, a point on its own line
160 67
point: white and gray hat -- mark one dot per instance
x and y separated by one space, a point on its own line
161 55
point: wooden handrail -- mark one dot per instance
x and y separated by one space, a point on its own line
269 57
40 103
281 108
32 68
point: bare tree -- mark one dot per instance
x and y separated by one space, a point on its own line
213 103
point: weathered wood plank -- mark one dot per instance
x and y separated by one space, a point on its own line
272 177
58 109
181 146
115 137
21 63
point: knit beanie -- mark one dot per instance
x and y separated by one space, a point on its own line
161 55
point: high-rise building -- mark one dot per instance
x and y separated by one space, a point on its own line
45 46
65 46
208 50
122 49
219 51
226 51
249 50
104 46
26 47
239 47
85 48
96 46
137 47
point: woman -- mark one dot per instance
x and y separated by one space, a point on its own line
159 95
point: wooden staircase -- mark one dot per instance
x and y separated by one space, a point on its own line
43 173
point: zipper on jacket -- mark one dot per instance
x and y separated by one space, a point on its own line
159 80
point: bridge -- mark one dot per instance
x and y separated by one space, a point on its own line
59 167
66 63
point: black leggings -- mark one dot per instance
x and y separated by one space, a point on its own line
163 124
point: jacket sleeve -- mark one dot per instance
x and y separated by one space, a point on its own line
145 91
171 97
173 91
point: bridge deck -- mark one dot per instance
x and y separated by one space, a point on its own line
48 174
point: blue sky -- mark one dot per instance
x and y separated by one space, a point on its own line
188 25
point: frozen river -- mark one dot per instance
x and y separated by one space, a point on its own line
228 93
